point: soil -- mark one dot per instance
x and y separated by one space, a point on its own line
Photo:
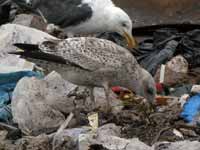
151 12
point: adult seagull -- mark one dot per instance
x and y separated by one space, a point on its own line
83 16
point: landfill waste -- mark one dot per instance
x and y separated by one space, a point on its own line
8 82
187 46
51 113
160 55
42 106
50 99
32 21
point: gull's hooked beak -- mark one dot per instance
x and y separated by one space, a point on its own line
132 43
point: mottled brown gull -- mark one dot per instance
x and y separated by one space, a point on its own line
92 62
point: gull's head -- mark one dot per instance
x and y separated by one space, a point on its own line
147 87
121 23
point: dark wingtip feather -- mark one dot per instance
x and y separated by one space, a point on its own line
16 53
40 55
45 56
27 47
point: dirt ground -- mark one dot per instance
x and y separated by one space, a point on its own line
150 12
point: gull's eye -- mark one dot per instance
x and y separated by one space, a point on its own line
124 24
150 91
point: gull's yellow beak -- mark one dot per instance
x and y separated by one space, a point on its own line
132 43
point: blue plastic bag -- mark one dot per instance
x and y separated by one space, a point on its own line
5 113
191 109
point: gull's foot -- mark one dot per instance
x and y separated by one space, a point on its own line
108 109
93 105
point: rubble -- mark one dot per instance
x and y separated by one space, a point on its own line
13 33
183 145
175 71
32 21
107 142
38 109
12 63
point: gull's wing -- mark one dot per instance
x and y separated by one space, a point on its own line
89 53
60 12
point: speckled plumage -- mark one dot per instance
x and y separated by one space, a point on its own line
96 62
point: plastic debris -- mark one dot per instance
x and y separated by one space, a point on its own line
178 133
5 114
94 121
191 109
151 61
183 99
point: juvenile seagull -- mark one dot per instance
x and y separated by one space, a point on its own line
83 16
92 62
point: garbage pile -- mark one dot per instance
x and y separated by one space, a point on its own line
41 110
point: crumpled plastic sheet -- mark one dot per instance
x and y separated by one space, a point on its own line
152 61
4 11
190 47
8 82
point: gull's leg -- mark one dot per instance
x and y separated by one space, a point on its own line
92 94
107 92
92 98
